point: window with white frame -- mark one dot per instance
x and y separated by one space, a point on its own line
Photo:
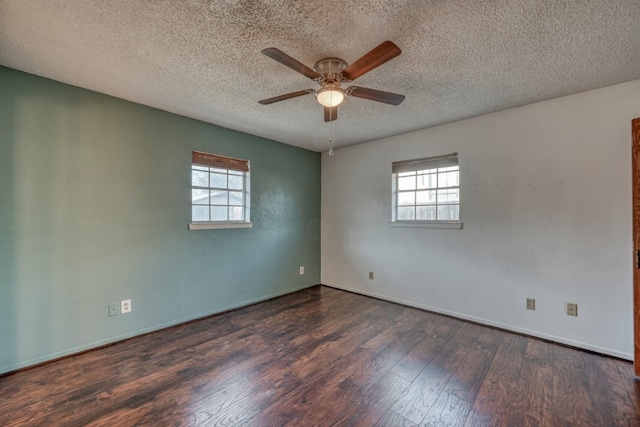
219 190
426 190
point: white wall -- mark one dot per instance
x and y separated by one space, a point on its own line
546 206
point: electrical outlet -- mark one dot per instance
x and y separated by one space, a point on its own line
302 270
531 304
125 306
114 309
371 275
572 309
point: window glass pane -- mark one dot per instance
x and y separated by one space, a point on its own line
219 180
407 173
199 197
199 213
199 168
236 213
426 197
199 179
449 213
448 196
219 197
236 182
219 170
235 198
407 183
408 198
406 213
427 181
425 213
219 213
448 179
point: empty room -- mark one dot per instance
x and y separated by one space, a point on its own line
338 213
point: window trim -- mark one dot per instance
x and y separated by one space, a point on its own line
454 225
219 225
202 159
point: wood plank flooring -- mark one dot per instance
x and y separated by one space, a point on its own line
324 357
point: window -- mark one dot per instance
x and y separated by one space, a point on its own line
219 191
426 191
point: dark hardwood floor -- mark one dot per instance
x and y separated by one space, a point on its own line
323 357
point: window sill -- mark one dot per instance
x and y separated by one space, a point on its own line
456 225
218 225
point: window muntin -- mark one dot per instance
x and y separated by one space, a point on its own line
426 190
219 194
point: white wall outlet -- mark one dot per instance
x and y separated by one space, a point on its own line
302 270
572 309
125 306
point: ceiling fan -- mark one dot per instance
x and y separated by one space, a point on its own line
331 73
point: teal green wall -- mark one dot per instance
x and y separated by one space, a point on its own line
94 207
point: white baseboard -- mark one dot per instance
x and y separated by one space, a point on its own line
96 344
548 337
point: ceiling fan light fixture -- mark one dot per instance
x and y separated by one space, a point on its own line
330 95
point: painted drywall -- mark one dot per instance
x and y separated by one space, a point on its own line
94 207
546 206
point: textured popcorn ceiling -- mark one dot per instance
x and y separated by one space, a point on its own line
201 58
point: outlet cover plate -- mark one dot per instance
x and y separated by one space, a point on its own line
530 304
371 275
114 309
125 306
572 309
302 270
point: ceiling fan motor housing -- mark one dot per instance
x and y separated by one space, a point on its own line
330 69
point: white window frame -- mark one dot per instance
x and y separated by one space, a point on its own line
214 163
435 165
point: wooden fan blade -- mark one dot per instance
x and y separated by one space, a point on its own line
285 96
294 64
379 55
330 114
375 95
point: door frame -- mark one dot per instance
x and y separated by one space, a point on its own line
635 184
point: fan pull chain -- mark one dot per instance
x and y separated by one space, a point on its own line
330 134
331 126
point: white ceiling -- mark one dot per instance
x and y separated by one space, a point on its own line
201 58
